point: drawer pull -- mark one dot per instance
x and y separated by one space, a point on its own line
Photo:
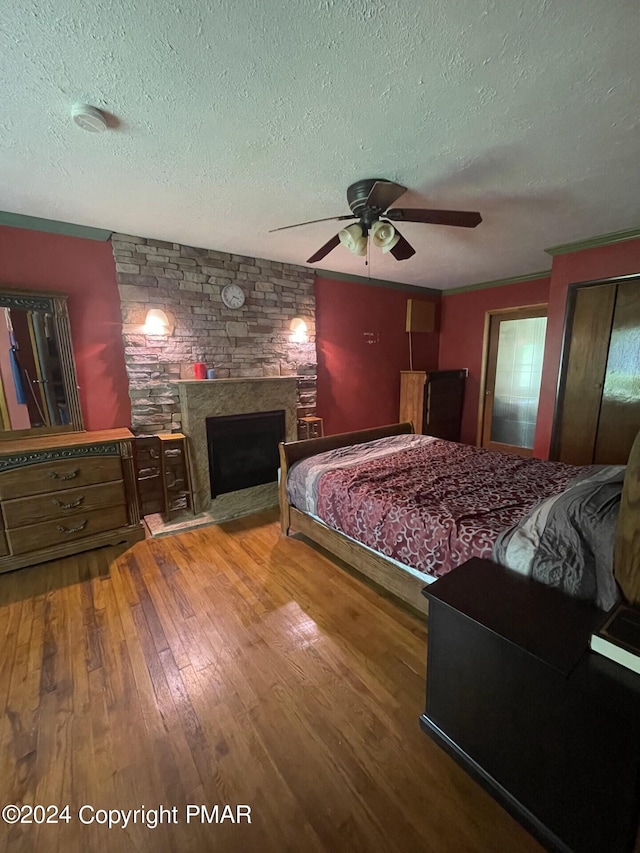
75 529
55 476
73 505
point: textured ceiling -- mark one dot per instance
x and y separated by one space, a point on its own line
233 117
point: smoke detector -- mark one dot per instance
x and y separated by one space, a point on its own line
88 118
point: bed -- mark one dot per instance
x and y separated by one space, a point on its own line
355 494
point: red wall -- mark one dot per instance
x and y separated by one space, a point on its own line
85 270
462 334
358 381
587 265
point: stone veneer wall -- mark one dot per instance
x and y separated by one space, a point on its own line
186 283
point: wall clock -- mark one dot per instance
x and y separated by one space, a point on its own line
233 296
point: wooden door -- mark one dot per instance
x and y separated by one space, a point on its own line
599 395
619 420
514 355
589 333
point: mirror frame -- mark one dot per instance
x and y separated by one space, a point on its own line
54 303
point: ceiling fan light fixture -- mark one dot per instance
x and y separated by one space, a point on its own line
384 236
370 202
353 239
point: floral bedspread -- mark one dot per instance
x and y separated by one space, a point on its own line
428 503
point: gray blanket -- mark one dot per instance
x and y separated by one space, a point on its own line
567 540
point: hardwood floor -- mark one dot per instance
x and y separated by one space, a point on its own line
225 666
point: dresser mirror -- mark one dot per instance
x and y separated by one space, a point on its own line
38 385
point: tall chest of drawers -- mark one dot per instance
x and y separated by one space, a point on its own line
433 401
66 493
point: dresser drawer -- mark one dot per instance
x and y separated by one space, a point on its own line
57 505
46 477
4 550
78 526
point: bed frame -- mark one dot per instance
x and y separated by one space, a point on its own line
400 583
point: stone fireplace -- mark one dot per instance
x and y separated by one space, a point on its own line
204 399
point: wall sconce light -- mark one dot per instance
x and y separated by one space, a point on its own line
298 331
157 322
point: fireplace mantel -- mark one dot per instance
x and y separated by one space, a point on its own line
241 380
206 398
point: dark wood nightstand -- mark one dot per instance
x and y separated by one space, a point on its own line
549 728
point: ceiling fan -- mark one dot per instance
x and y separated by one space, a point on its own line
370 201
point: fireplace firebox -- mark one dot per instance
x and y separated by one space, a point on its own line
243 450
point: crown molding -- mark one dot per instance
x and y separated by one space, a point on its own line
594 242
51 226
498 282
378 282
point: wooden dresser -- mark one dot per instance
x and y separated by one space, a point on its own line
66 493
432 401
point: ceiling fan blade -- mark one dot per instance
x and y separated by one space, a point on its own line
312 221
384 193
462 218
329 246
402 249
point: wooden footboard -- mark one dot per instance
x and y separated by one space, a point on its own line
372 565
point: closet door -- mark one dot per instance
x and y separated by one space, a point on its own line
599 400
585 372
620 409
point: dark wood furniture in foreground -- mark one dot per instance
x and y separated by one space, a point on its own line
432 401
65 493
551 729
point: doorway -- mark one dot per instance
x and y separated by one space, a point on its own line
514 351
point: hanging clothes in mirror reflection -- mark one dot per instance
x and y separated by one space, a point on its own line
13 401
33 392
16 370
